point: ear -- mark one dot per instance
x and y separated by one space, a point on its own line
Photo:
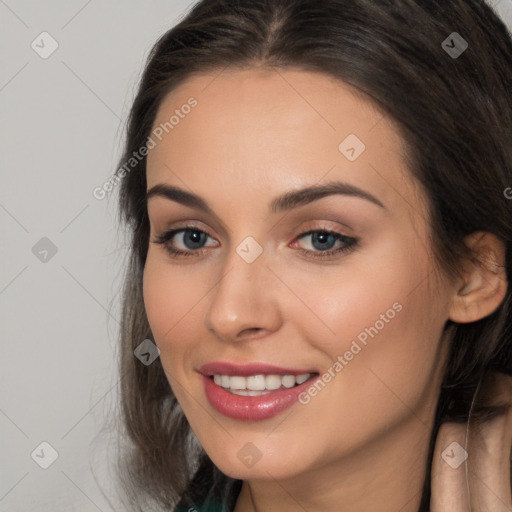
484 285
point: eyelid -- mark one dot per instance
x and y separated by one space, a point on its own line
320 225
314 225
172 232
162 216
349 242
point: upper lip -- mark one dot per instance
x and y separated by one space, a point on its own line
245 370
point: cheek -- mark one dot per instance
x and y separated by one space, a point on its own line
160 297
175 299
170 300
373 294
381 307
384 357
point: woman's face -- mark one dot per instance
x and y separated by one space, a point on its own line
257 295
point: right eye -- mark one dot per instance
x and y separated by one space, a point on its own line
192 239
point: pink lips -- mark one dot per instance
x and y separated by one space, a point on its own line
251 408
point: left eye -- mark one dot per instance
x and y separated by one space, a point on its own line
323 241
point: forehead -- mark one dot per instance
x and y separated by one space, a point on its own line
265 102
275 130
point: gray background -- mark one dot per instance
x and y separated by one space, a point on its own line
61 130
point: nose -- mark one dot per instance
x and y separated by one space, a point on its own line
244 301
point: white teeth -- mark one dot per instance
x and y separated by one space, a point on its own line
248 392
272 382
238 383
254 384
288 381
302 378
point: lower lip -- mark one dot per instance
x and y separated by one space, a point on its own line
252 408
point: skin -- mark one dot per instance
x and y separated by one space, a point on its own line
255 134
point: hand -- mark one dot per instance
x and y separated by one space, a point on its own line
488 484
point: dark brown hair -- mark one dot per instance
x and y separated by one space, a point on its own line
455 116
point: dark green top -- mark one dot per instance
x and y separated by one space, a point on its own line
207 506
209 491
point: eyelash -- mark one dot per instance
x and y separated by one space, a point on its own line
349 243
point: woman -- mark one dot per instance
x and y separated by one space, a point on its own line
321 245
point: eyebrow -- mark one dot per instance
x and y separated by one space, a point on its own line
285 202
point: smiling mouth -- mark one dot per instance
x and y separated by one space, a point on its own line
254 392
257 385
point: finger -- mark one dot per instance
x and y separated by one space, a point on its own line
490 444
489 466
449 486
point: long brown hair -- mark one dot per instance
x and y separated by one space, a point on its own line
455 115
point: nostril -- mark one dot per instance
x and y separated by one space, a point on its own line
249 331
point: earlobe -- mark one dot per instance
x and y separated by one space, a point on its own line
484 285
